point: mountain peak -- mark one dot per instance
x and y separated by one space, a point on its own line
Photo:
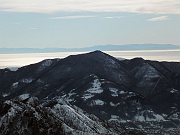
96 51
102 85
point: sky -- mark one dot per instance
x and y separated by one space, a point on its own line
84 23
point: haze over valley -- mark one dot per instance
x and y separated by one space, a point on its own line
17 57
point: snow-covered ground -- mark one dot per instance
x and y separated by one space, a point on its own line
96 87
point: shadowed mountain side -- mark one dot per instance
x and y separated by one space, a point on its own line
130 91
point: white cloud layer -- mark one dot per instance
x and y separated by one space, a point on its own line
49 6
71 17
33 28
161 18
113 17
82 17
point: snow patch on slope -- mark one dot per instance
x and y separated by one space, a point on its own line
15 85
5 94
123 92
27 80
114 105
114 92
24 96
175 116
97 102
45 63
148 115
174 91
114 118
13 69
87 96
96 87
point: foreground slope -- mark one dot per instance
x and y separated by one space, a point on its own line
137 92
25 115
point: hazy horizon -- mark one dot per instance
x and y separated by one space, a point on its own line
19 60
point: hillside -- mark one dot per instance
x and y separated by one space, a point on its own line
138 94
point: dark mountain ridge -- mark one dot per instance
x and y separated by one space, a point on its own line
138 93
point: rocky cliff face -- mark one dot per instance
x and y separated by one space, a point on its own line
137 93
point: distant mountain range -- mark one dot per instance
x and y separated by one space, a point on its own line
128 47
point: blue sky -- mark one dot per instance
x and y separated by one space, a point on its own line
83 23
